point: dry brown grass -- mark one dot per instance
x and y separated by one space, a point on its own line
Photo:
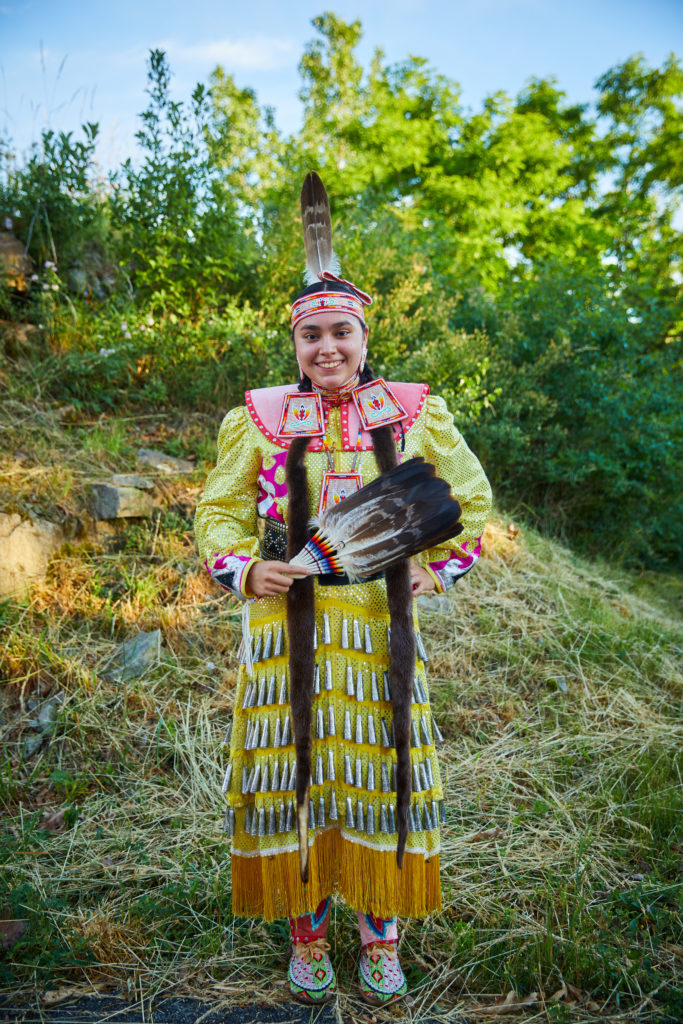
558 689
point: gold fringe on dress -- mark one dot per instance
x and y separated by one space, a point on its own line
271 886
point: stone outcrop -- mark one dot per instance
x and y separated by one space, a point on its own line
164 463
26 546
116 501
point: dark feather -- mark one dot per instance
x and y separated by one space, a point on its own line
317 228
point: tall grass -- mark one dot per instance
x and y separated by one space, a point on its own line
556 683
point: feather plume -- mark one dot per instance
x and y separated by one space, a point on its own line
402 512
317 227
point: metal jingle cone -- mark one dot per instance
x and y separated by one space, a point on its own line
246 779
374 689
265 734
345 634
261 699
417 784
348 772
277 736
438 735
230 822
370 820
383 824
284 782
254 782
415 739
253 739
386 742
358 777
387 688
425 731
350 820
359 729
372 738
334 815
247 821
251 685
268 645
270 699
281 818
392 819
275 784
271 822
328 675
384 771
427 819
282 698
289 821
286 732
435 814
315 637
357 642
327 636
279 643
261 822
423 692
368 639
416 696
421 649
424 779
430 771
418 818
292 776
331 723
442 812
265 778
316 679
411 820
370 785
258 647
320 724
319 777
226 779
321 812
350 689
347 725
331 770
360 817
311 815
360 692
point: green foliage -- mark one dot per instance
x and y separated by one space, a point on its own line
524 259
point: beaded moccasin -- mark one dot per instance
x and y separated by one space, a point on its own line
380 977
311 975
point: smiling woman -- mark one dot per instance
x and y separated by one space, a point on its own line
333 784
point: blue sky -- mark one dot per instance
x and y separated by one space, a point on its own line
66 61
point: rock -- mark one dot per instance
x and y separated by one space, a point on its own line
134 657
131 480
434 602
162 462
15 265
109 501
33 744
26 546
560 682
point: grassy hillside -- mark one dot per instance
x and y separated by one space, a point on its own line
557 685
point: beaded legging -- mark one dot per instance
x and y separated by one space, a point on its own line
314 926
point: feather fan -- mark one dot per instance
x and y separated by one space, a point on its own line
317 227
402 512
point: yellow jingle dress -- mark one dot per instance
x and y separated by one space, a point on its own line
352 833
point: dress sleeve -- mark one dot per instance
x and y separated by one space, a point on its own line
445 447
226 518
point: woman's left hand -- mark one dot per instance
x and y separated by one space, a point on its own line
421 581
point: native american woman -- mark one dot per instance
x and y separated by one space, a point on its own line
339 666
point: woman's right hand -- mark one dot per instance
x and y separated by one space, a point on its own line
268 579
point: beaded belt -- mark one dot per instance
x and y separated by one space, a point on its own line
274 548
